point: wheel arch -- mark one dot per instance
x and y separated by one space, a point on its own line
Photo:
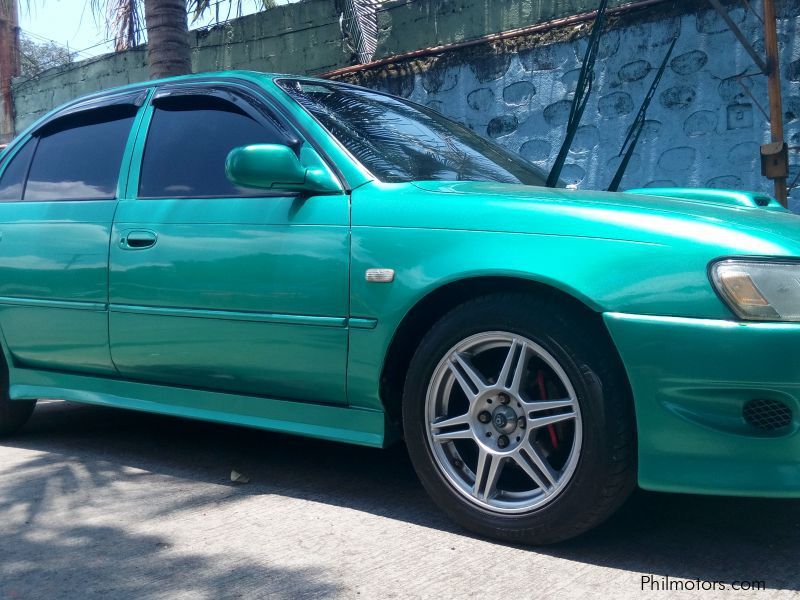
437 302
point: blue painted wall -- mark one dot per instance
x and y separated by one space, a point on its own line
703 128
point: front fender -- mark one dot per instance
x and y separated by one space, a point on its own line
615 253
606 275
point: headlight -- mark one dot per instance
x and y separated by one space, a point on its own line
759 290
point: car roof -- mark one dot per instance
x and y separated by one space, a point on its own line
252 76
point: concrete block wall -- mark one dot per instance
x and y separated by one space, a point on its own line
703 128
406 25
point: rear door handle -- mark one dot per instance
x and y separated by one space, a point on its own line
138 239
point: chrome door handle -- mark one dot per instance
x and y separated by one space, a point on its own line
138 239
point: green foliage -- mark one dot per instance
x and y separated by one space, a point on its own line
235 8
36 57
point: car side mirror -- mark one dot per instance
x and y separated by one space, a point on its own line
276 167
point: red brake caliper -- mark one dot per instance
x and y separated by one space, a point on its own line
543 396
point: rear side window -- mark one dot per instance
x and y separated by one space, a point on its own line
79 157
12 183
187 144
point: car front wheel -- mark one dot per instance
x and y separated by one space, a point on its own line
518 419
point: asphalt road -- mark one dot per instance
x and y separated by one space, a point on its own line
98 503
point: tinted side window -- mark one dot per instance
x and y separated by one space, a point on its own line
79 157
188 142
13 180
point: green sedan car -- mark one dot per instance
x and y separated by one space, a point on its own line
316 258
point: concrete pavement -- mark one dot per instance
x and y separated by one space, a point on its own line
98 503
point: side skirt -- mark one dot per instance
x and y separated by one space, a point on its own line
335 423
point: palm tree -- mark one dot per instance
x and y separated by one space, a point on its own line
167 25
168 42
360 27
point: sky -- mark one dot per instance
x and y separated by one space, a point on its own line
71 23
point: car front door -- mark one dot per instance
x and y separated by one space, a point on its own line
217 287
58 193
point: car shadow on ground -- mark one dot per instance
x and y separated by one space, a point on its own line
84 449
680 536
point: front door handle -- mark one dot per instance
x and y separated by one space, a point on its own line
138 239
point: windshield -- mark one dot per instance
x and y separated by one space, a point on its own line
399 141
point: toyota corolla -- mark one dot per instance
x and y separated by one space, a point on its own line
311 257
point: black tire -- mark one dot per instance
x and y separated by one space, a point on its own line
605 473
13 413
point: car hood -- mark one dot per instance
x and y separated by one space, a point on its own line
633 217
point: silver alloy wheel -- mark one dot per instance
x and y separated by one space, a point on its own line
492 428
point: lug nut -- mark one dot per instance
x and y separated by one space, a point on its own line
503 398
521 422
502 441
484 417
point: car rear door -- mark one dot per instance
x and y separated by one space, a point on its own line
58 193
221 288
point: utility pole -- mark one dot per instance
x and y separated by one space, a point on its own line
9 65
775 102
775 155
